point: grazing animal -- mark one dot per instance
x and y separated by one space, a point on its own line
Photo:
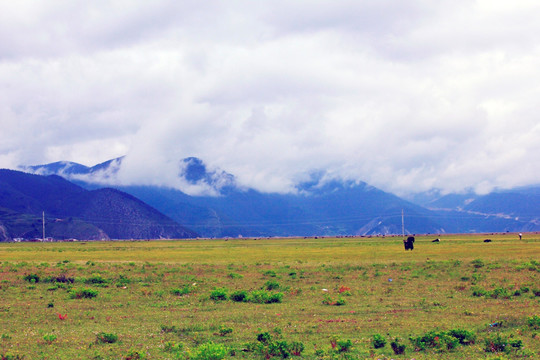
487 240
436 240
409 243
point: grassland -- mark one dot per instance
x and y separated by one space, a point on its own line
328 298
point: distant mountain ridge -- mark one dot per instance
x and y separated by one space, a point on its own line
74 212
319 207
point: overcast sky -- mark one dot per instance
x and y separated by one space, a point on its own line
404 95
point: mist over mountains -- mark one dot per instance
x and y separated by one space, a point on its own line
212 204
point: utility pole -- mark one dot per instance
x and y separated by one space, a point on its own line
402 224
43 220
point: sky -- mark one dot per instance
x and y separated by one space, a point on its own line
407 96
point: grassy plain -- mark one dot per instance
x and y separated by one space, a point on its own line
160 298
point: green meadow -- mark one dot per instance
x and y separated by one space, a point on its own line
312 298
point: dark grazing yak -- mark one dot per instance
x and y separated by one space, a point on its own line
409 243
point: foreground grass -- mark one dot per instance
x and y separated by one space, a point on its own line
159 298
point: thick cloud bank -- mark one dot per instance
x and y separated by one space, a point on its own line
406 96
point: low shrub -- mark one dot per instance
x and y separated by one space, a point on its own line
444 340
265 297
428 340
31 278
478 291
96 279
477 263
211 351
464 337
275 298
135 355
328 300
182 291
224 330
534 322
271 285
106 338
499 343
219 294
378 341
264 337
83 293
344 345
49 338
171 346
500 293
296 348
235 276
123 281
240 296
270 273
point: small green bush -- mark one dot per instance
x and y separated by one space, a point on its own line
430 339
500 293
95 279
259 296
83 293
265 297
171 346
344 345
135 355
534 322
219 294
495 344
447 342
271 285
340 301
49 338
478 263
32 278
264 337
235 276
499 343
464 337
378 341
279 348
106 338
181 292
224 330
123 281
275 298
296 348
240 296
211 351
478 291
270 273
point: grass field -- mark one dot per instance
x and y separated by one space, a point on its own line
325 298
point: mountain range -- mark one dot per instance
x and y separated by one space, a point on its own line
71 211
318 207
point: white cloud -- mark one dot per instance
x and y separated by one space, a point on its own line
405 96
